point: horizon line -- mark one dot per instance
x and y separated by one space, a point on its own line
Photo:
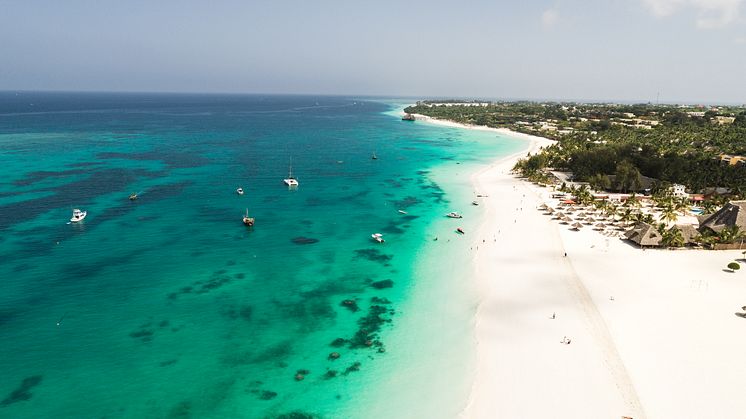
385 96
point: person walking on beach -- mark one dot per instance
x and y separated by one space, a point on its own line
553 316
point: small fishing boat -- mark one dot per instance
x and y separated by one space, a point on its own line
474 203
460 230
133 196
402 212
248 221
454 215
290 181
239 191
378 237
78 215
374 157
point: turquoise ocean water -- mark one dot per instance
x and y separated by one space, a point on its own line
169 307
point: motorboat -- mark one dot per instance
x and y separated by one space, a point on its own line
239 191
374 157
474 203
460 230
378 237
78 215
133 196
454 215
248 221
402 212
290 181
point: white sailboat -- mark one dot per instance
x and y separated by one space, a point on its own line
291 181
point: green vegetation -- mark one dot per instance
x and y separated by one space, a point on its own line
734 266
669 143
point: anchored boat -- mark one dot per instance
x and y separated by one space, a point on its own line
78 215
248 221
291 181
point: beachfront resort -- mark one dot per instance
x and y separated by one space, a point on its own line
584 307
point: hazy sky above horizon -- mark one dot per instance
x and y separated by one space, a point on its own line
688 50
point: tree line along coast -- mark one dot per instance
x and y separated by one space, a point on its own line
699 147
681 156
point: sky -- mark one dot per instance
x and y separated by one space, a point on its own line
602 50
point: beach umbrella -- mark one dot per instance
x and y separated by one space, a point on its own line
589 220
550 210
600 226
577 226
565 220
543 206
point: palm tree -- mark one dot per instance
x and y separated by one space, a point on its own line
672 237
709 207
731 234
669 214
626 215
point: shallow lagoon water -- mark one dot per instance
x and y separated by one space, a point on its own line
169 307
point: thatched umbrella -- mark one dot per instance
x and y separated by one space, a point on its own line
550 211
589 220
543 206
558 215
565 220
576 226
600 226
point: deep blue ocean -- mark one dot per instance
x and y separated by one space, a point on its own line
168 306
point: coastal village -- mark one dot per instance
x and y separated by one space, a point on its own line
669 176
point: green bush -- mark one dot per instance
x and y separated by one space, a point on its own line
734 266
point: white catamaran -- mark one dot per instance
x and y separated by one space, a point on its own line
291 181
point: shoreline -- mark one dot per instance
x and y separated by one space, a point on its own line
504 131
652 332
442 301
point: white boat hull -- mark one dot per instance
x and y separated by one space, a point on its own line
78 217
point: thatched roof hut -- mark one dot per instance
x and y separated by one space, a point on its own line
689 232
732 214
644 234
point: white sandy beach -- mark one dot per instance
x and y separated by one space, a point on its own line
668 345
